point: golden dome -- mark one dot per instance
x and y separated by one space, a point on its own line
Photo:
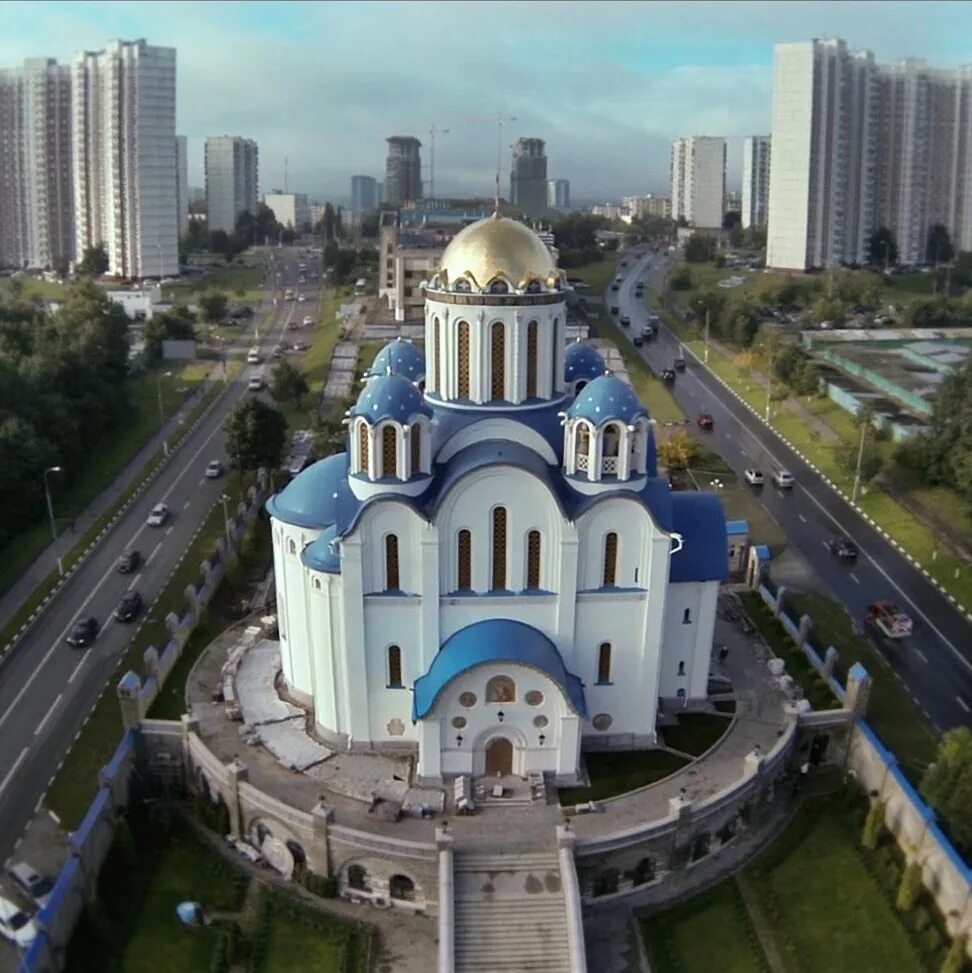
497 247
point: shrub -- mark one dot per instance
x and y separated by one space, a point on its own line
910 888
873 826
955 957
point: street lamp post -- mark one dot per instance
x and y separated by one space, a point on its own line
225 498
769 385
706 358
860 461
158 387
50 513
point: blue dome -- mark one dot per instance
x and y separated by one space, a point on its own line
322 554
317 497
604 399
399 358
582 362
390 397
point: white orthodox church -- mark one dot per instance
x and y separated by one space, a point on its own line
494 574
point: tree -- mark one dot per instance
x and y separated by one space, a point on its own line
932 312
939 249
678 450
577 231
956 956
794 367
740 323
873 826
214 305
680 279
827 310
962 269
909 888
94 261
288 383
947 785
732 219
255 436
700 248
711 302
882 248
173 325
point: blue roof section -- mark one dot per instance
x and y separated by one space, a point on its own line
317 497
700 520
582 361
494 640
323 554
607 398
734 527
399 357
390 397
763 552
857 671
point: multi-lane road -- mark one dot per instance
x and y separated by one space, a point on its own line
935 664
46 687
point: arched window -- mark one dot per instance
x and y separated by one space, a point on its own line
394 667
582 447
364 443
416 445
610 560
292 546
497 362
401 887
499 287
533 287
687 616
464 559
604 662
498 579
532 363
391 562
533 560
462 286
612 440
358 878
389 451
501 689
681 669
462 360
436 352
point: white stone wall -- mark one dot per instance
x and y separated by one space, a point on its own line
687 645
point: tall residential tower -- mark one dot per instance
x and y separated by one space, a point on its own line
403 170
364 194
528 177
699 180
232 169
755 186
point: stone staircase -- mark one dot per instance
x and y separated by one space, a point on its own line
510 914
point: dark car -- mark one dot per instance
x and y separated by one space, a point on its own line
615 286
625 321
679 364
614 309
668 375
843 548
84 632
129 607
705 421
637 341
129 561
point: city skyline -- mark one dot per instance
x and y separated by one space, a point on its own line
632 71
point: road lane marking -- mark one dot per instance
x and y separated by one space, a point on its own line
802 518
958 699
13 769
48 715
168 531
133 582
921 655
826 545
77 668
854 577
155 551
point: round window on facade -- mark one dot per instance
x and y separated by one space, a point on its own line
540 722
467 699
602 721
534 697
459 722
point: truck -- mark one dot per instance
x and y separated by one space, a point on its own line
890 620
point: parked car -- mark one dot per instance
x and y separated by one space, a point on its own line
679 364
705 421
214 469
308 320
129 607
614 309
637 341
625 321
843 548
159 515
34 885
782 479
668 375
754 477
129 561
16 925
83 632
300 346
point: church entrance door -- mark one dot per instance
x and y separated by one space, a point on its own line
499 758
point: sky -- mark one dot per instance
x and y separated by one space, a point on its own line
607 84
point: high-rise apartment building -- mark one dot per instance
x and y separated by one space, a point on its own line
403 170
364 194
699 180
858 145
558 194
232 171
755 186
182 183
124 157
528 177
36 215
289 209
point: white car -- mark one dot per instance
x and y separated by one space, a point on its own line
255 384
754 477
159 515
31 882
308 320
782 479
301 298
214 469
16 925
253 356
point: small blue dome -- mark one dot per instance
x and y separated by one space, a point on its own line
390 397
316 497
582 362
399 358
604 399
323 554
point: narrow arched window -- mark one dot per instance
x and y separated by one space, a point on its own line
464 561
610 560
604 662
391 562
462 360
612 439
389 451
416 446
498 579
394 667
497 361
364 443
436 351
533 560
532 361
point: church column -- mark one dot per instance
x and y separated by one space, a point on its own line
326 605
655 555
570 451
624 452
594 454
479 356
429 612
568 754
430 750
565 584
516 329
354 689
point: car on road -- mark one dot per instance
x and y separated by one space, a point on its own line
129 607
637 341
253 356
277 352
754 477
705 421
783 479
647 332
679 364
301 298
83 632
308 321
159 515
129 561
300 346
614 309
668 375
35 886
214 469
16 925
625 321
890 620
615 286
843 548
624 263
255 384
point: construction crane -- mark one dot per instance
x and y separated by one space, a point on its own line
433 131
498 120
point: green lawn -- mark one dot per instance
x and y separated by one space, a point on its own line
689 937
239 284
695 732
304 942
596 275
617 773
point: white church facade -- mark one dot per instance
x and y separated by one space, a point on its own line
494 575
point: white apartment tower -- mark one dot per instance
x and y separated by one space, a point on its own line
125 157
232 170
699 180
755 187
35 165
